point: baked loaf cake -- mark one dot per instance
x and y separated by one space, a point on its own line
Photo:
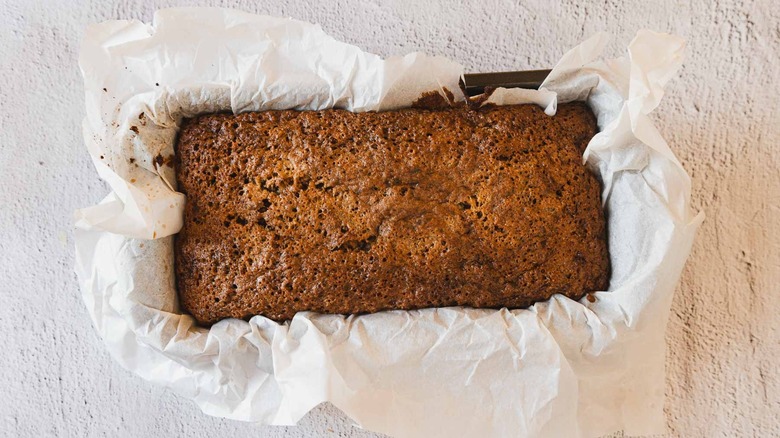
337 212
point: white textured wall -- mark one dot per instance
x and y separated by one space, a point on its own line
721 117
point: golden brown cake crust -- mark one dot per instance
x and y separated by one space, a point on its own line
337 212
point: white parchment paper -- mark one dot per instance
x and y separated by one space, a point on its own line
559 368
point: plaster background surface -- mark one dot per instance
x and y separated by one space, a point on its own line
721 116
